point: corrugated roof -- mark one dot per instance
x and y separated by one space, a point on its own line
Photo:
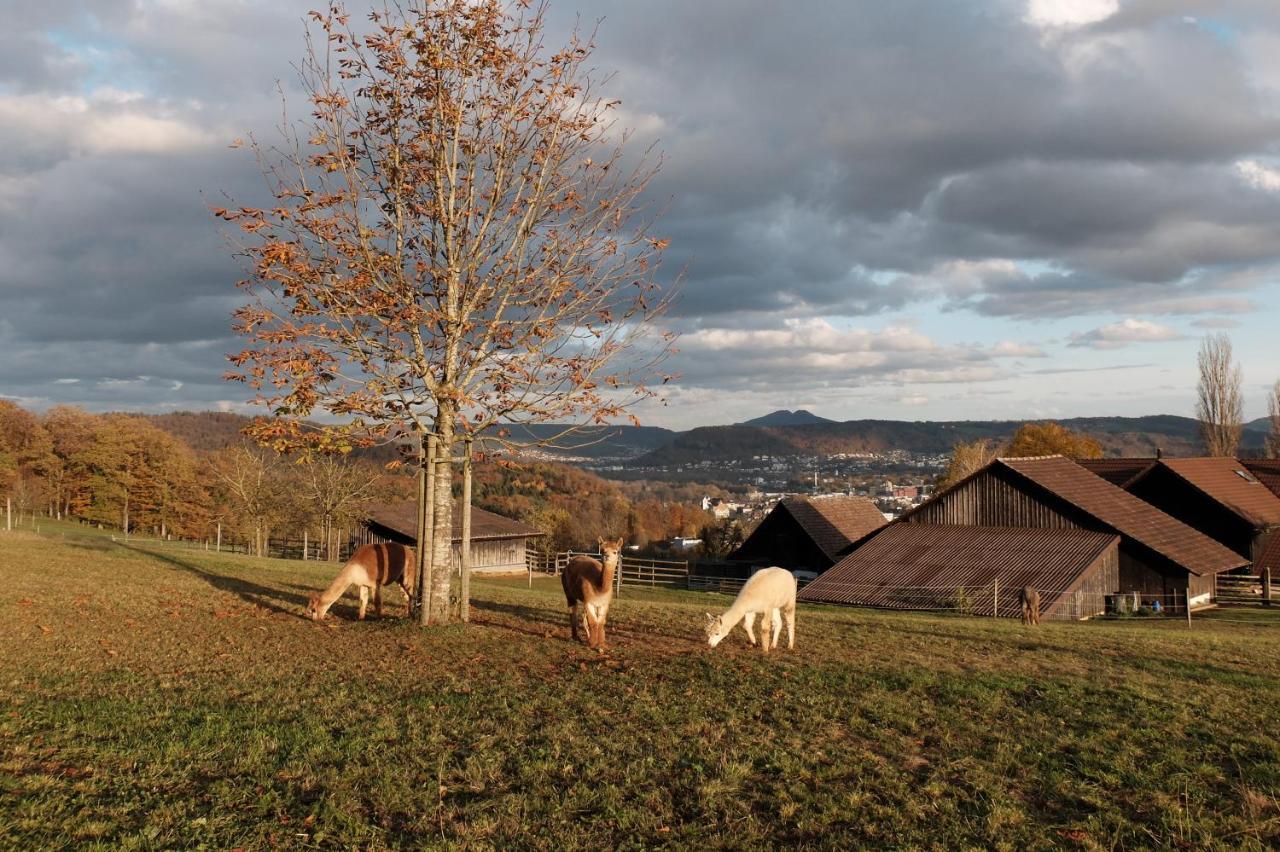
921 566
1116 471
1267 471
834 522
1230 483
403 518
1126 514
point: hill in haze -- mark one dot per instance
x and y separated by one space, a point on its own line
782 417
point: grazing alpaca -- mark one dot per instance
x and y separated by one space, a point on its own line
1030 600
372 566
588 582
770 592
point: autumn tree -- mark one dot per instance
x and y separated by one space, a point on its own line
26 454
1219 400
72 432
249 481
966 458
1273 414
456 241
335 490
1050 439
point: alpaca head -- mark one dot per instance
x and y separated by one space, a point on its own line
610 550
715 629
313 608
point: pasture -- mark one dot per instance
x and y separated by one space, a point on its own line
163 697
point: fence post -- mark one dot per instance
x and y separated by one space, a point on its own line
995 600
219 547
1187 601
1266 584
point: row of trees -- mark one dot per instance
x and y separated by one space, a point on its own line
122 472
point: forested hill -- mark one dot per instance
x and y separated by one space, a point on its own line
653 446
1119 436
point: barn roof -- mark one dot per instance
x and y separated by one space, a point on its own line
834 522
402 518
1267 471
1126 514
1117 471
919 566
1231 484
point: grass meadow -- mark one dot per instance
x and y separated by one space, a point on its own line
159 697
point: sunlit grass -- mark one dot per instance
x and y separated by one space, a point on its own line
164 697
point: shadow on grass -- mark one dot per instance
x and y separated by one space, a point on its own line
522 611
275 600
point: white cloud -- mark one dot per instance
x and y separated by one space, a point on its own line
1259 176
1069 13
1123 333
1011 349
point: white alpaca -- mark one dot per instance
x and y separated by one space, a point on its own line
770 592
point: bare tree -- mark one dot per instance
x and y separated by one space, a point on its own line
335 490
251 484
966 458
1220 403
457 242
1273 414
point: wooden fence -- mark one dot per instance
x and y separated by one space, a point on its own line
1244 589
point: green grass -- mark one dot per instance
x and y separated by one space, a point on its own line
172 698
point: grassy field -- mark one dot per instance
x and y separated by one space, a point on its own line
158 697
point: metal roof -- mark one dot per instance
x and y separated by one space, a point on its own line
402 518
1126 514
921 566
1117 471
834 522
1230 483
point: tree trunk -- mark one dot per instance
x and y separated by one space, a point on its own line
464 569
442 516
426 492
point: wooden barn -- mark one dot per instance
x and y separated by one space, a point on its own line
497 543
1220 497
1117 471
808 534
1158 554
976 569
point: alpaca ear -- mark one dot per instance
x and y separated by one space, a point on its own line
710 618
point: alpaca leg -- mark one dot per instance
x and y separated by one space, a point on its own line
573 620
777 628
364 600
592 628
408 599
764 632
377 601
791 627
749 624
602 617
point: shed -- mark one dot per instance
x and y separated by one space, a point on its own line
809 533
497 543
1220 497
919 566
1159 555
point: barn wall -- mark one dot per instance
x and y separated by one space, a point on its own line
488 555
1090 597
781 541
989 500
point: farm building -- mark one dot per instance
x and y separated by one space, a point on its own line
978 569
1157 554
1117 471
809 533
497 543
1220 497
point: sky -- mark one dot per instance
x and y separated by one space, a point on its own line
922 210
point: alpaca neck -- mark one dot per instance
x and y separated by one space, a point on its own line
336 589
607 575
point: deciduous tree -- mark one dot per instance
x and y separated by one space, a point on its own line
1220 402
1049 439
457 241
1273 414
966 458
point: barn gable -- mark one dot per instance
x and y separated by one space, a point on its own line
802 533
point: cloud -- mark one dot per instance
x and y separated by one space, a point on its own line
1069 13
1117 335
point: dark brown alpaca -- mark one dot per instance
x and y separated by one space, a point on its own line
1030 600
588 582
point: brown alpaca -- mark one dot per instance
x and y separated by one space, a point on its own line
372 566
1030 600
588 582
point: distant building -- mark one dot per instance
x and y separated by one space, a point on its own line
497 543
809 534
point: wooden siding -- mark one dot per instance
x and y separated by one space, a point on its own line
1089 598
487 556
989 500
